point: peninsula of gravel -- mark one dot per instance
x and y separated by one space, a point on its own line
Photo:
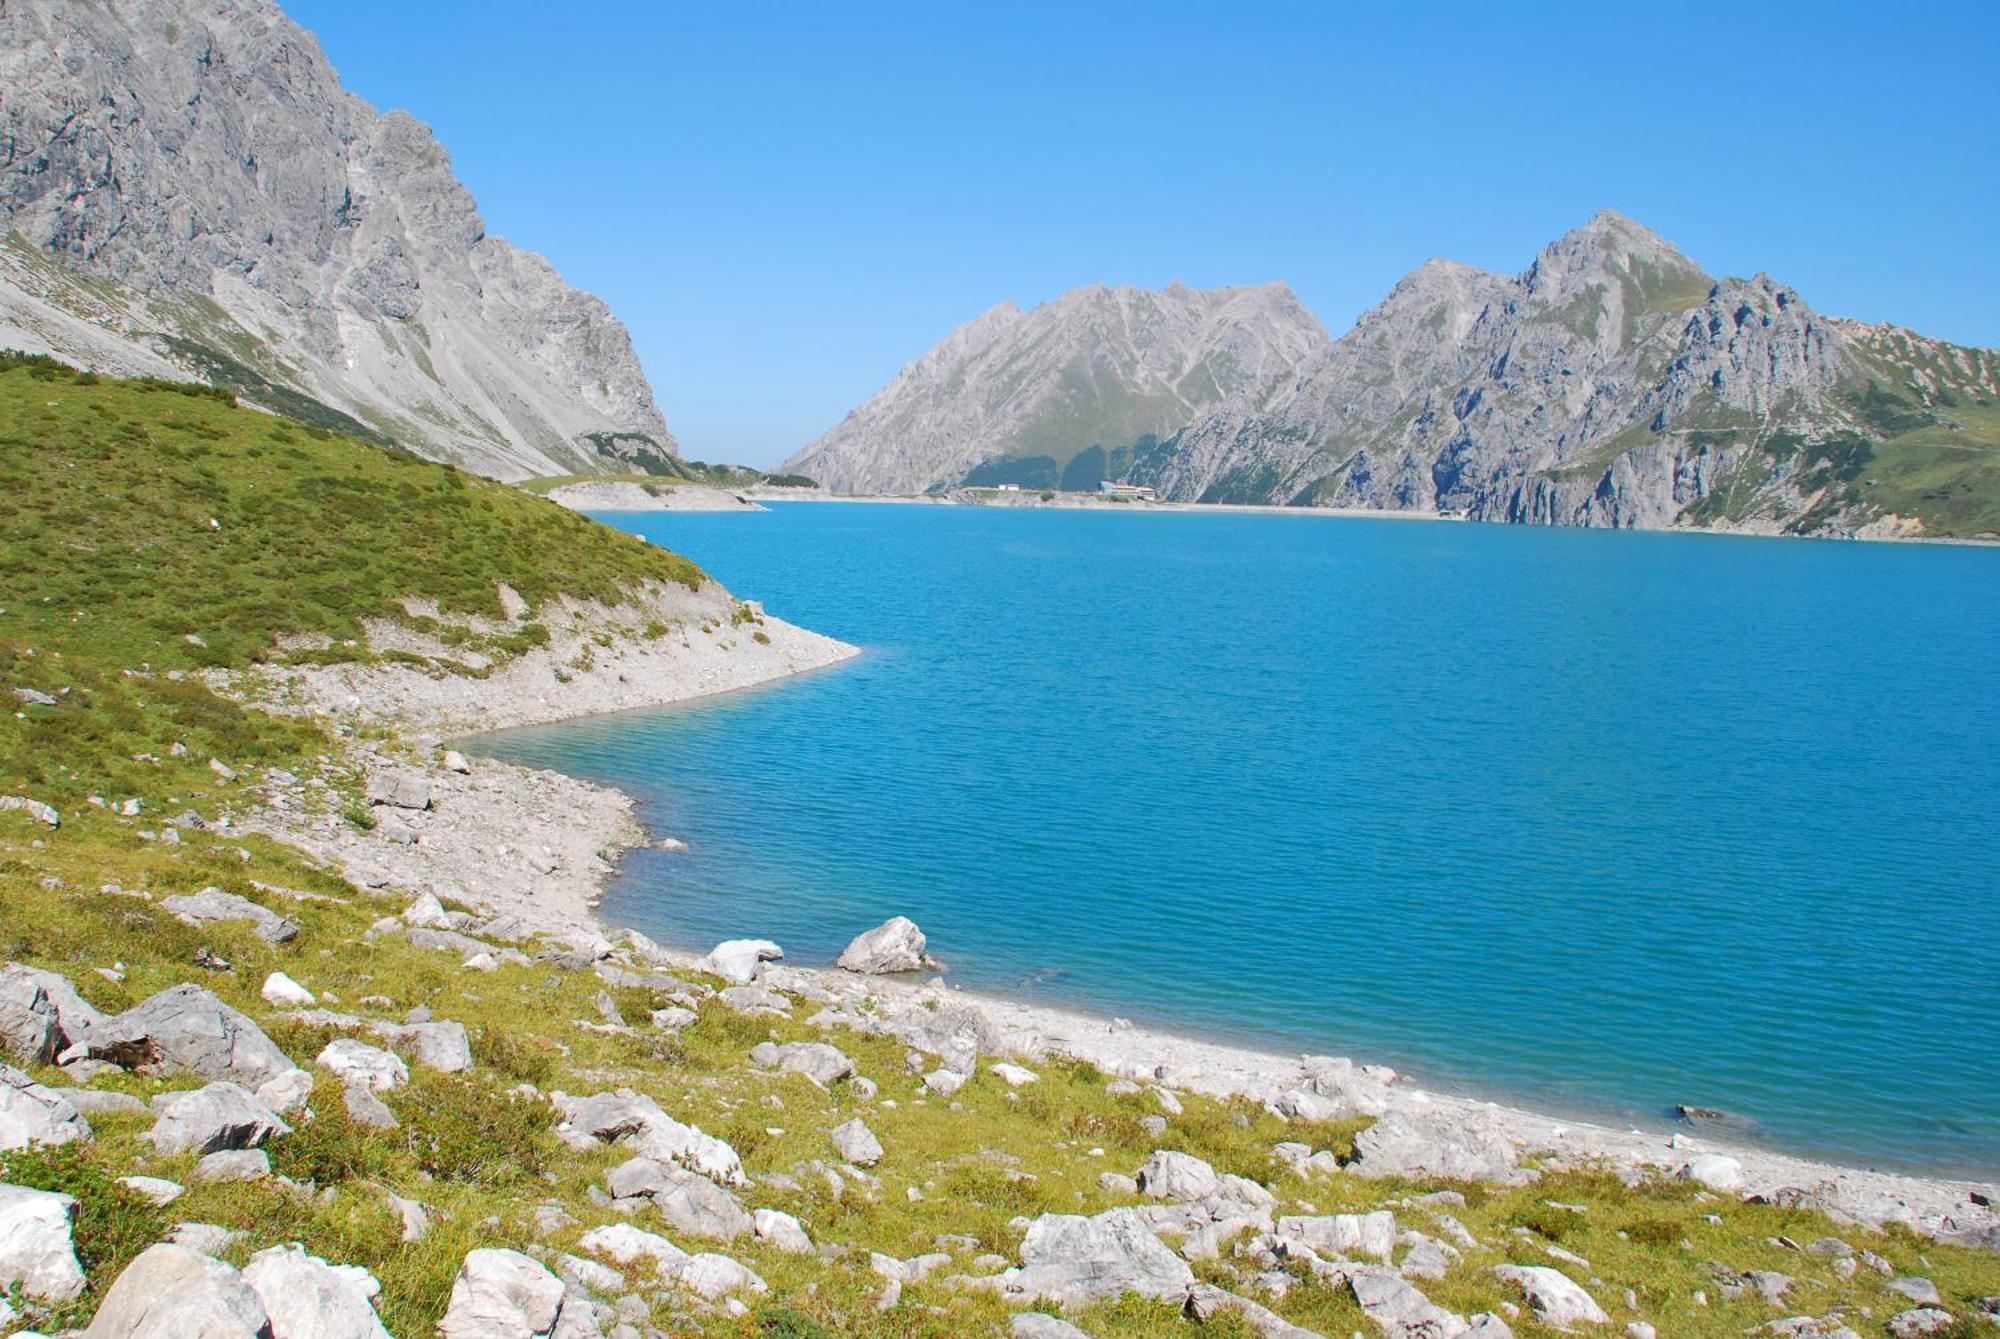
311 1031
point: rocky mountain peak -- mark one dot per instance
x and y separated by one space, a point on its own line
1612 383
1609 250
214 202
1020 397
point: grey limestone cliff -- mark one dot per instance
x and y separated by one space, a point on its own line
186 187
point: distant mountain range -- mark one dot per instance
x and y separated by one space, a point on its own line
1614 383
186 188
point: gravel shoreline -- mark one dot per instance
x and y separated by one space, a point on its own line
540 846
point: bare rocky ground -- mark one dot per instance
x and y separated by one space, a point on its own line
667 645
622 496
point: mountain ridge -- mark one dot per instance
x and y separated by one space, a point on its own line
1613 382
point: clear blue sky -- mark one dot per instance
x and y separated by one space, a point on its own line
786 202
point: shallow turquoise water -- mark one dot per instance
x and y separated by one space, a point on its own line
1597 821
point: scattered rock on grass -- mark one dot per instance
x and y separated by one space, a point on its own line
211 1119
1181 1177
441 1046
32 1115
365 1108
825 1065
37 1255
1555 1298
234 1164
159 1191
1070 1259
502 1294
1398 1307
1344 1234
282 992
185 1027
41 1015
306 1297
1041 1325
625 1244
170 1292
212 906
856 1143
358 1064
688 1201
782 1231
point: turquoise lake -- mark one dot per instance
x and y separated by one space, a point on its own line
1595 822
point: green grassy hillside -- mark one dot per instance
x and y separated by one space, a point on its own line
145 513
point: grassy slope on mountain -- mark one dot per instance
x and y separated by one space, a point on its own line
109 566
146 512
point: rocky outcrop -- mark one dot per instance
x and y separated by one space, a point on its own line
185 1027
1074 1260
189 189
630 1118
41 1015
211 906
823 1064
1408 1145
1613 383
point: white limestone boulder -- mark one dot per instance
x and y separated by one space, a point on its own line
740 961
172 1292
211 1119
825 1065
185 1027
1555 1298
359 1065
33 1115
281 992
896 945
1343 1234
307 1298
856 1143
1072 1260
1403 1144
1180 1177
41 1015
501 1294
37 1252
782 1231
1717 1171
213 906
